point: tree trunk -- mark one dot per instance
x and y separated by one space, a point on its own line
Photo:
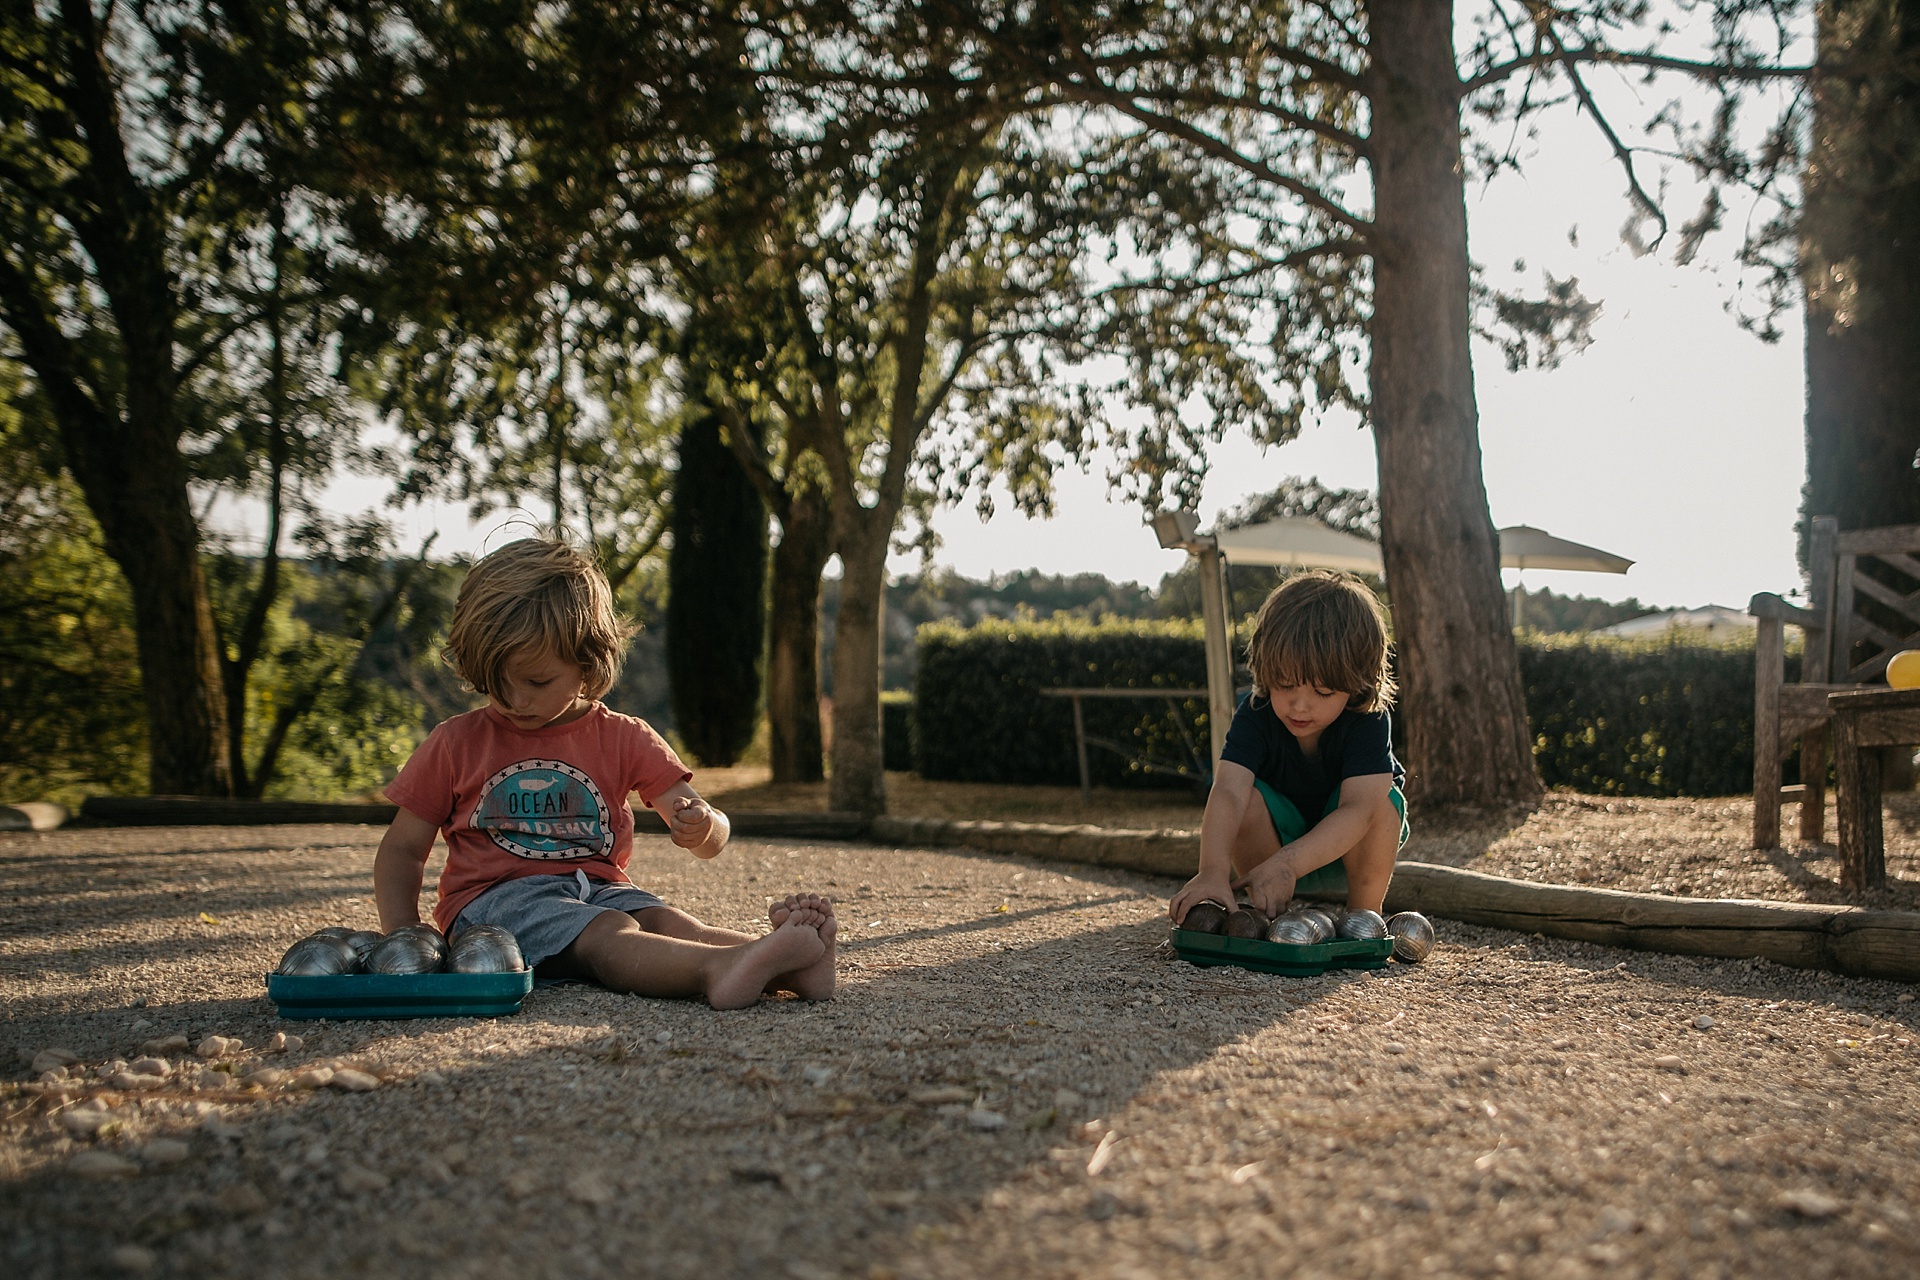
859 781
793 642
136 487
1466 719
1861 268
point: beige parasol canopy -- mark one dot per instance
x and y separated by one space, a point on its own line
1298 542
1525 547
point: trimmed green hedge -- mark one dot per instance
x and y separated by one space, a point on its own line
1609 717
979 715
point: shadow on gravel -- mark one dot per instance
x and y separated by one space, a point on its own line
788 1137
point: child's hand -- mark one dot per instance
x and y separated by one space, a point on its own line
690 821
1269 886
1204 887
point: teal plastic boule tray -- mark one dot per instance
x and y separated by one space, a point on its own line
399 995
1292 959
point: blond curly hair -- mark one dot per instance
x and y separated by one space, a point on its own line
542 596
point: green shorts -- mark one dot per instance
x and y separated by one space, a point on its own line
1287 821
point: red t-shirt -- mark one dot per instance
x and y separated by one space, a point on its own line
516 802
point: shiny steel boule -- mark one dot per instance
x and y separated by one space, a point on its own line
1296 929
1412 935
362 941
485 948
317 956
1360 924
403 952
1321 918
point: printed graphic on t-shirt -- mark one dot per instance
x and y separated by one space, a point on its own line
546 810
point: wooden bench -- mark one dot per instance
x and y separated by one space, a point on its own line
1863 606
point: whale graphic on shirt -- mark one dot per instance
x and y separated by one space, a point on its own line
544 810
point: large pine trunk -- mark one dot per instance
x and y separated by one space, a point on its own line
797 751
1462 700
135 484
1861 256
858 783
716 596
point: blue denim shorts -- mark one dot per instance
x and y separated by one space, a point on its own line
546 913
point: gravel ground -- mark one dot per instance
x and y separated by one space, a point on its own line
1015 1080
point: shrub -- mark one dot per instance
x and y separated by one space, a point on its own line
980 716
1654 717
1659 717
896 730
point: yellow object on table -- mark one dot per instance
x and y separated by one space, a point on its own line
1903 669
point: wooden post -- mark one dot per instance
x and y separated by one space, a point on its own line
1213 609
1813 776
1857 780
1822 547
1769 671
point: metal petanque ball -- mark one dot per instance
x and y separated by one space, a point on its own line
406 952
1412 935
1321 919
1205 917
1246 922
362 941
1361 924
485 948
319 955
1295 928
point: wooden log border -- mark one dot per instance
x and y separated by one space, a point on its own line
1851 940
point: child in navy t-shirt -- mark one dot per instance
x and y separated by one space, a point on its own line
1311 742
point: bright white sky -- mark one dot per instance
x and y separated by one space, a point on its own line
1675 440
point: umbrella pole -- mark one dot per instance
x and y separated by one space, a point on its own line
1213 612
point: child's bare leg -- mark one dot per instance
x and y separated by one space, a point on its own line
1369 864
1256 841
619 954
815 982
672 922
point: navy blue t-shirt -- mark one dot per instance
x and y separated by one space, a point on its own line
1355 745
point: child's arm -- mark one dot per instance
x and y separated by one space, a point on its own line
1226 808
399 867
694 825
1329 840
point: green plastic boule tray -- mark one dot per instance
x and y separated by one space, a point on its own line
399 995
1293 959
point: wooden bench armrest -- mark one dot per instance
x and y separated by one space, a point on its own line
1769 605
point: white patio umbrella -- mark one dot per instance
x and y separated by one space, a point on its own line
1298 542
1524 547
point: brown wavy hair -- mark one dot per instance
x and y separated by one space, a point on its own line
536 595
1325 629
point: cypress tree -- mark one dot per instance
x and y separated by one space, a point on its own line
716 596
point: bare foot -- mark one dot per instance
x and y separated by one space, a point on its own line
741 974
815 981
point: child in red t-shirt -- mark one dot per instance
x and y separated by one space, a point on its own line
531 794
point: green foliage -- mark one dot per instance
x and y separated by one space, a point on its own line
980 716
896 730
72 719
1658 717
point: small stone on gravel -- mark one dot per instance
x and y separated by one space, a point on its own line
134 1259
136 1082
239 1199
47 1059
354 1179
985 1120
101 1164
165 1151
1808 1203
348 1080
1704 1023
1671 1062
218 1046
313 1078
161 1045
150 1067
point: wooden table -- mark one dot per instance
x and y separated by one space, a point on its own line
1863 722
